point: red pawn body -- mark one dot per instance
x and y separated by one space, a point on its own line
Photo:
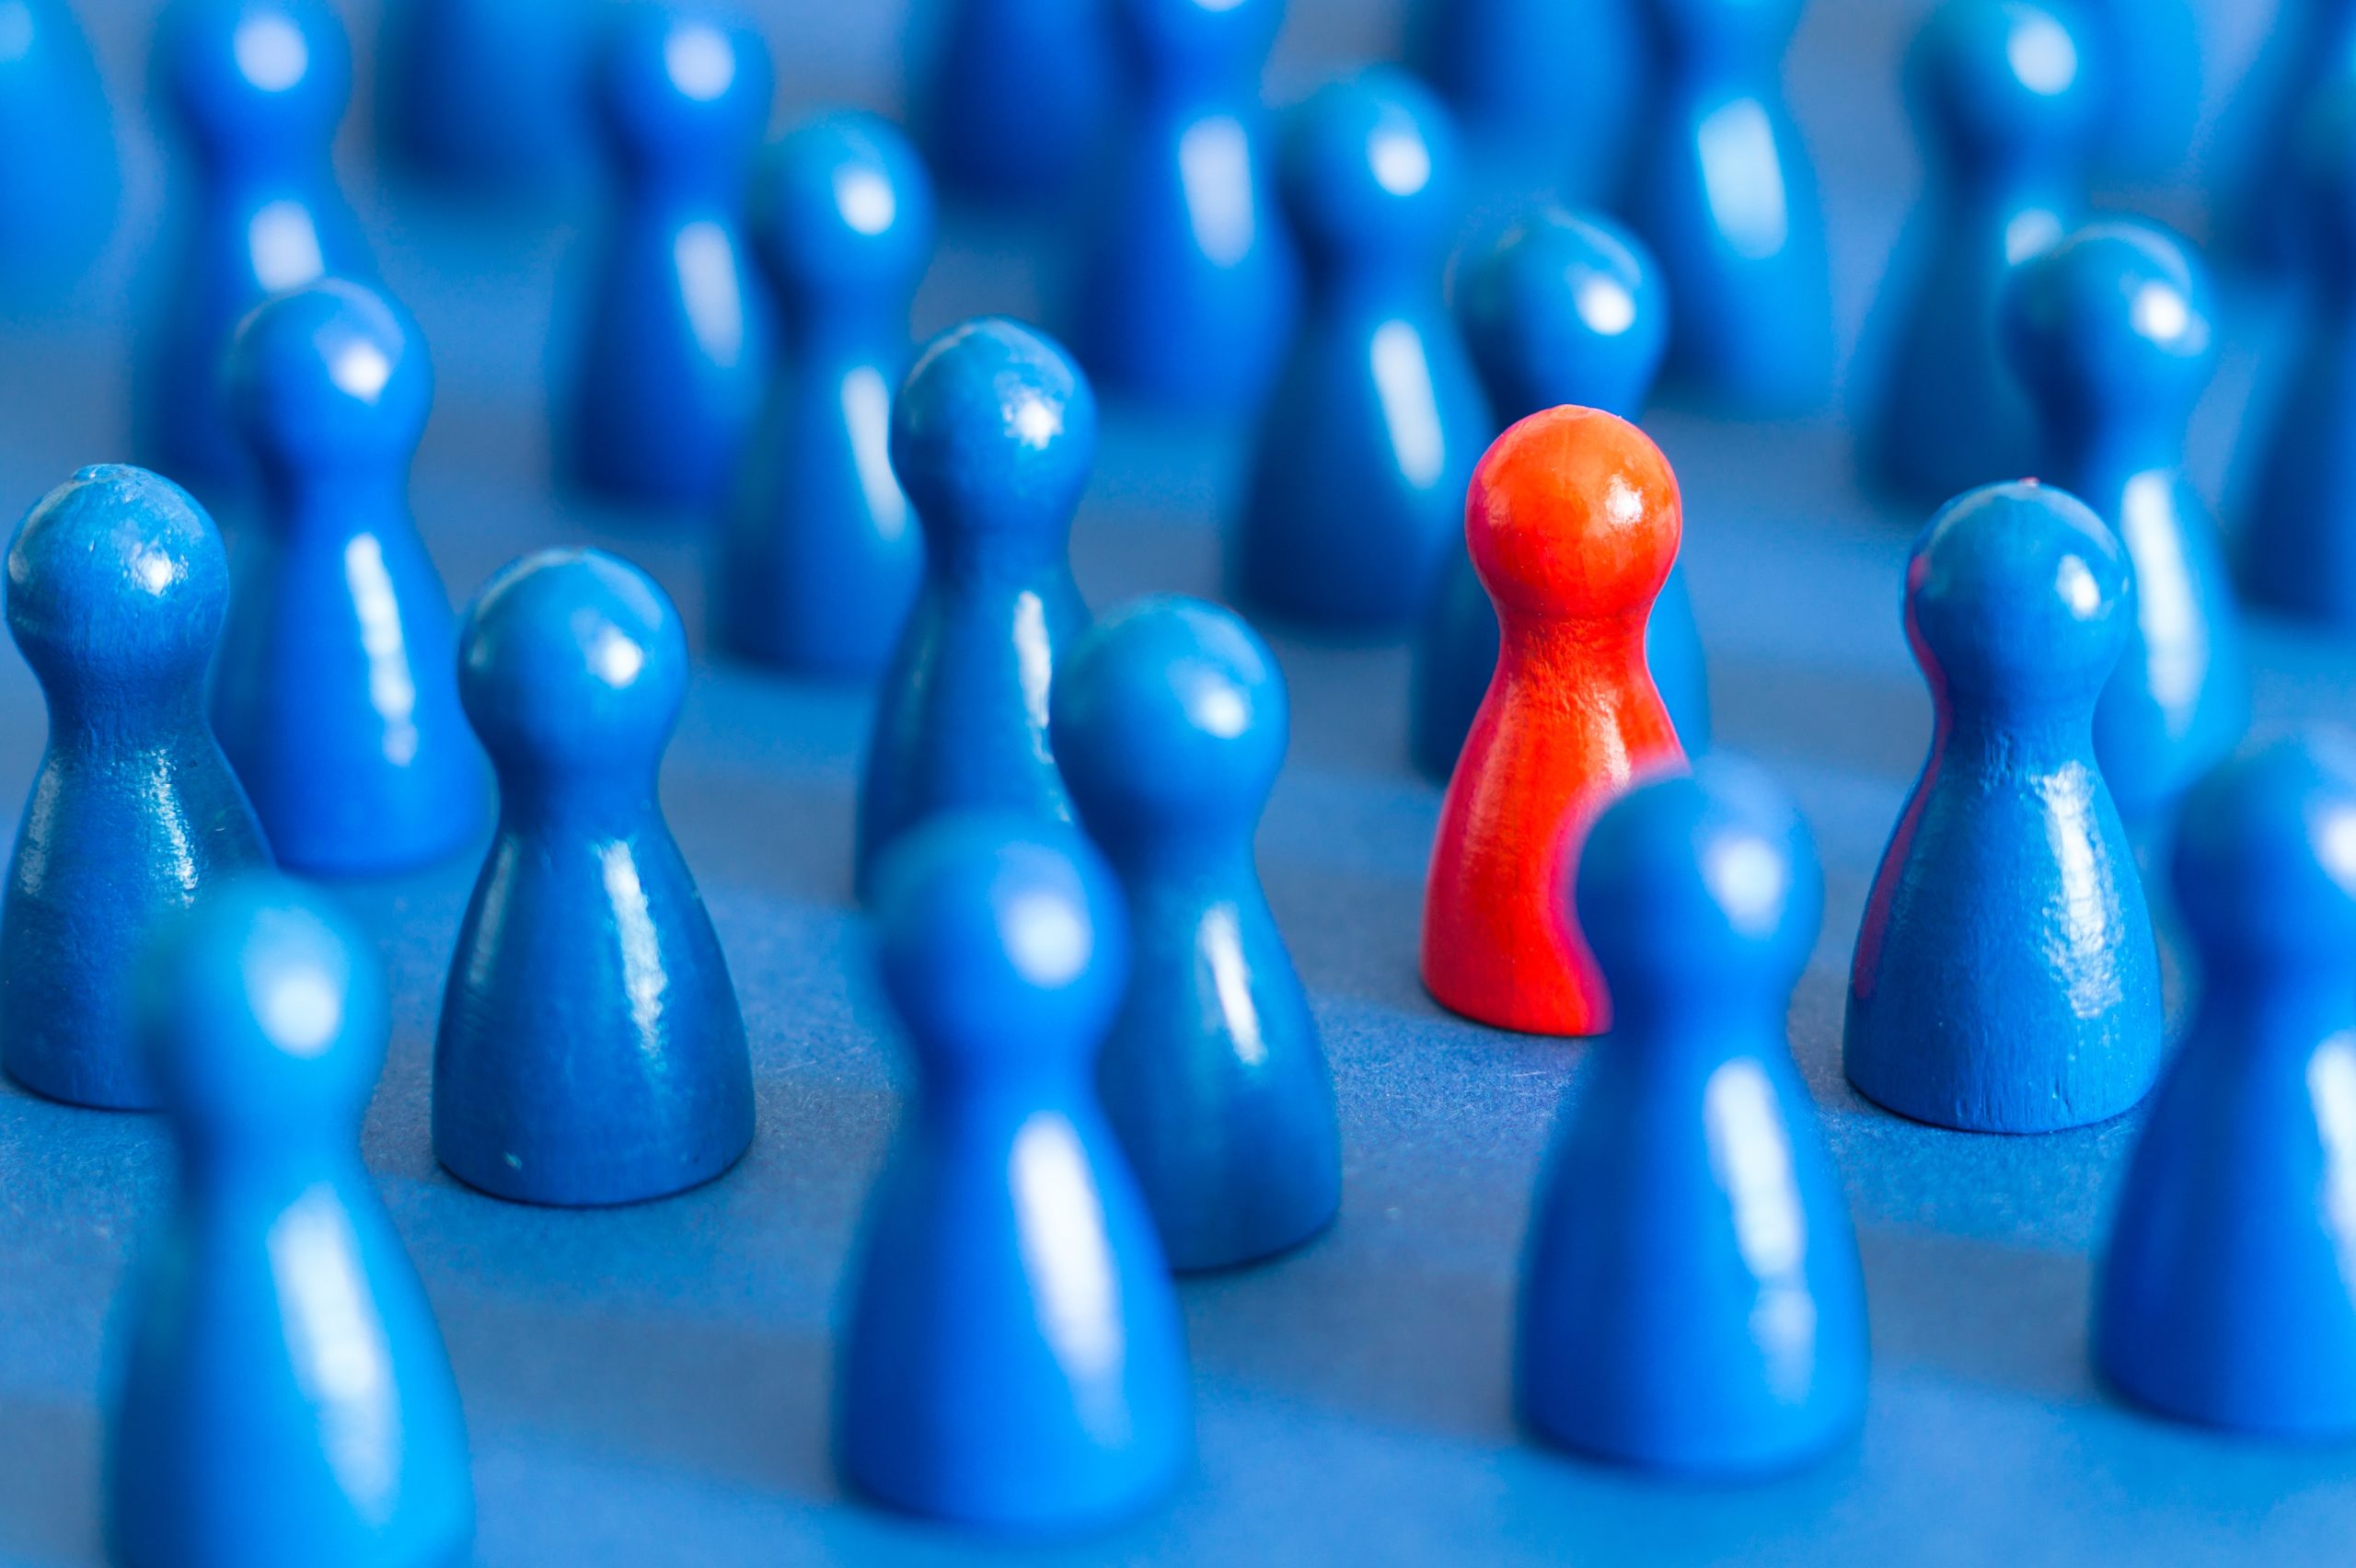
1573 522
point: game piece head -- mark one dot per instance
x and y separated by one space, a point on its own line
842 204
1572 515
256 76
572 663
1196 39
2112 322
2326 169
2016 597
117 581
1002 943
1169 714
1996 80
330 376
1752 31
677 84
1564 310
993 435
1367 168
2266 853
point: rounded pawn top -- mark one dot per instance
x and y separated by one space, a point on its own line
2326 163
1193 39
1565 309
673 79
1369 166
117 578
2115 318
329 374
254 73
994 433
842 203
2266 855
1573 515
1998 77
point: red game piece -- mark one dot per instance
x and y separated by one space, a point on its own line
1573 522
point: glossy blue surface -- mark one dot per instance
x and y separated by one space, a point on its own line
675 351
1010 1356
591 1049
2308 43
820 557
1171 720
1017 95
335 694
285 1401
2005 977
1690 1299
117 587
490 95
2224 1295
1356 494
58 179
993 437
2112 331
1549 87
2148 62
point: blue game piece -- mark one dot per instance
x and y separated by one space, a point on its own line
2111 332
679 351
336 692
286 1401
117 587
58 179
1356 494
1170 722
591 1049
2001 103
1546 91
1021 96
820 558
2225 1296
2005 977
1690 1296
1722 188
258 87
1560 309
490 94
2147 57
2307 44
993 435
1012 1356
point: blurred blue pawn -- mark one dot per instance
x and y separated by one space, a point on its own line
591 1049
1690 1296
1561 310
59 178
1169 723
1547 89
1356 494
820 558
1194 287
2005 979
2224 1295
2307 44
2001 103
490 95
336 692
286 1401
1021 96
993 435
258 87
1012 1356
1722 190
2147 59
678 352
117 587
2111 332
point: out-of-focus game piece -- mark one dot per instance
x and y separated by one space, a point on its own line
2005 977
677 351
1357 482
2146 68
993 436
117 588
1572 522
1020 97
2224 1295
2308 43
1169 723
1691 1296
591 1049
336 694
1012 1356
59 178
820 558
285 1401
490 95
1546 88
1561 310
2111 332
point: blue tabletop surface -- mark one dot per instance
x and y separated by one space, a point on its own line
649 1385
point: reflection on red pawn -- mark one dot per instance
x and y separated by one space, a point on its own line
1573 521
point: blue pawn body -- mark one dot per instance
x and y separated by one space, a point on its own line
258 87
1691 1296
2147 59
2309 44
2002 101
1357 486
1561 309
286 1401
490 95
591 1049
1169 723
117 589
1724 192
1545 89
58 179
2005 977
1021 94
1012 1356
2224 1295
679 329
993 435
2110 331
1193 285
336 692
821 556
